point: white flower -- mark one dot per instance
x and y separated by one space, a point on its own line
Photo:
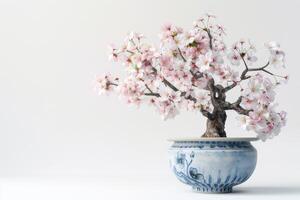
250 57
234 58
277 55
253 88
202 97
166 109
272 45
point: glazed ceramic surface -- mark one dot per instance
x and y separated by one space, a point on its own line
213 165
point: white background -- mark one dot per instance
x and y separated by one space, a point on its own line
58 140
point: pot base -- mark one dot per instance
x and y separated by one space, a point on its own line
212 190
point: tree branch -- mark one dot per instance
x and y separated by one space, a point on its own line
244 73
268 72
212 90
197 74
189 97
181 55
166 82
210 37
152 94
244 77
229 87
206 113
237 107
111 83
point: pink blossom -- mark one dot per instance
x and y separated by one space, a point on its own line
249 103
201 82
131 90
105 83
204 61
167 109
113 55
277 55
165 61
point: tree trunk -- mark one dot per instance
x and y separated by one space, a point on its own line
215 126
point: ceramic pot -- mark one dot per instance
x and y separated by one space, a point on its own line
213 165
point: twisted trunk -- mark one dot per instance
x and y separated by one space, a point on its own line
215 126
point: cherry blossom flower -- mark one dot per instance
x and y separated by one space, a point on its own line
201 83
202 97
242 50
113 55
250 57
105 83
277 56
254 86
235 58
167 109
204 61
131 90
165 61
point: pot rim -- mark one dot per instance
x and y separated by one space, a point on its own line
216 139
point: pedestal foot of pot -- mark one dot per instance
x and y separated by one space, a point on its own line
213 190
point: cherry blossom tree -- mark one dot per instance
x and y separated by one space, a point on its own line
195 70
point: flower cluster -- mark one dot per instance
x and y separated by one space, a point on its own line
242 50
177 73
106 83
258 96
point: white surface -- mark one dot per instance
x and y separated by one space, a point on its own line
58 140
82 189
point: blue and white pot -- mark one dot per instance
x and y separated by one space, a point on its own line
213 165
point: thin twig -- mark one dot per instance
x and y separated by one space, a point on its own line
152 94
210 37
181 55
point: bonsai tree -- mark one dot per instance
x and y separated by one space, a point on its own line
195 70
